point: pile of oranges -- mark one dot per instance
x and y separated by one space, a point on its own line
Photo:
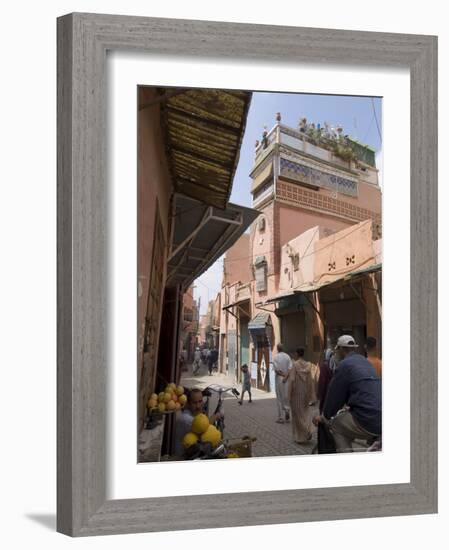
172 398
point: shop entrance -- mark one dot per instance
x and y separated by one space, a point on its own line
293 331
345 317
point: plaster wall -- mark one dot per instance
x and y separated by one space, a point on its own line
154 189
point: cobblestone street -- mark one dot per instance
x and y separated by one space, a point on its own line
256 419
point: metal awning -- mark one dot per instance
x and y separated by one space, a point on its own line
278 298
203 131
260 321
260 329
236 303
314 286
200 235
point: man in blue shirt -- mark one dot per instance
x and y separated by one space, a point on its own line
353 405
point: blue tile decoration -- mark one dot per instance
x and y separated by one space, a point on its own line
316 177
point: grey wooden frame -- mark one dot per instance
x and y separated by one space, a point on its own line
83 40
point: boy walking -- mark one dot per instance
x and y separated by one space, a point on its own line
246 383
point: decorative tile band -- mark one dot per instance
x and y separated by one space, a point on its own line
312 176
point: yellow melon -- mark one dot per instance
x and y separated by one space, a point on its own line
212 436
189 439
200 424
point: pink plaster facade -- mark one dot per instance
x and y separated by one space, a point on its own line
154 191
297 259
190 324
294 223
203 329
348 250
236 262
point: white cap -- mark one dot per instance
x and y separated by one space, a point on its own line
346 341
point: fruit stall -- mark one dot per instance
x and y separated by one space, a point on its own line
160 408
203 441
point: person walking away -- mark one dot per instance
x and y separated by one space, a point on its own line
196 361
211 360
353 405
300 393
372 355
246 384
282 364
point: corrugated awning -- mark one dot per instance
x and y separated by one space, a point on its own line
260 321
200 235
203 133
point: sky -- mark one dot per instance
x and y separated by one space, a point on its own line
355 114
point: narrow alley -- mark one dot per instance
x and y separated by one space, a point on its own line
256 419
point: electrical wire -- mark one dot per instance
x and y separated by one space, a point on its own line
375 118
369 128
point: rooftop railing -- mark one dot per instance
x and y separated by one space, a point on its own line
318 142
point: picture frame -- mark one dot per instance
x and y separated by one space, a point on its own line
83 40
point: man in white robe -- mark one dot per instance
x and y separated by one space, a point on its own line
282 364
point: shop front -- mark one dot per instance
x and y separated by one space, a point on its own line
261 332
291 312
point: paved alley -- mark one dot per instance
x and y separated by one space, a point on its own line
256 419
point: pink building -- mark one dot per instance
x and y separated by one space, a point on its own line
203 330
185 221
190 324
312 191
234 336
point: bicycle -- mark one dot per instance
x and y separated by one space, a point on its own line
219 409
